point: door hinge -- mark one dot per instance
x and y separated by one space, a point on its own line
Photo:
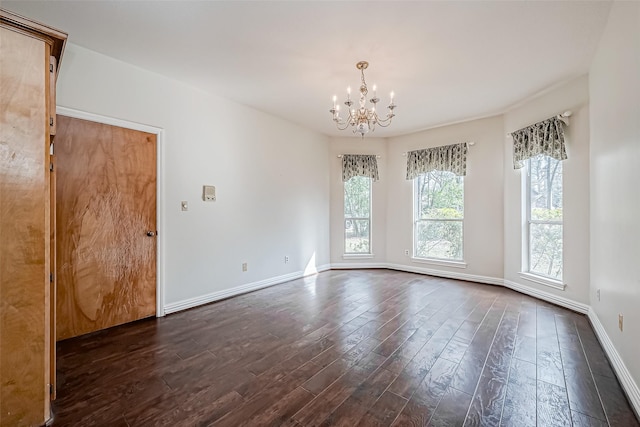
51 68
50 121
50 167
51 389
51 277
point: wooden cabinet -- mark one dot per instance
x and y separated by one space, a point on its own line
29 55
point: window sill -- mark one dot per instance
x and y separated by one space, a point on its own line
543 281
442 262
357 256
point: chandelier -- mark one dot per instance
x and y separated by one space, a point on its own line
362 119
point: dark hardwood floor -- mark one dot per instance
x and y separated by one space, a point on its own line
347 348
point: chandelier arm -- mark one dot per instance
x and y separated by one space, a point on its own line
385 120
346 125
384 124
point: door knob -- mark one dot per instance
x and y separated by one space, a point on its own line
151 233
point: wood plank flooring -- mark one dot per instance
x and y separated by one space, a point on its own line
347 348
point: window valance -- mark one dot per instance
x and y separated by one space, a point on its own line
545 137
359 165
451 158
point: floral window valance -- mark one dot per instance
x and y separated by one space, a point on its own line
451 158
546 137
359 165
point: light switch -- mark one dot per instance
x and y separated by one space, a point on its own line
185 205
208 193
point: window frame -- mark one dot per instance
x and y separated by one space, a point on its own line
368 219
527 273
456 262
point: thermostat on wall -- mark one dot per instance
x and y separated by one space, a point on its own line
209 193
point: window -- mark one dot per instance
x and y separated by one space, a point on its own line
543 231
438 216
357 215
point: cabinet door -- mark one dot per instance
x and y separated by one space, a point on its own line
24 227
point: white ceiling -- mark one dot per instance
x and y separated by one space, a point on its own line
446 61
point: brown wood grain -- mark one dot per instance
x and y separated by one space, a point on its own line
552 405
520 400
355 406
106 203
24 253
384 411
53 37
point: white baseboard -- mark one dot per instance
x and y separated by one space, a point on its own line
238 290
448 274
357 265
319 269
419 270
549 297
624 376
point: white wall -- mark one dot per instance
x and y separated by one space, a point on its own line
271 177
573 96
482 196
367 145
614 84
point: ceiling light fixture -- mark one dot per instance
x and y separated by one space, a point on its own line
362 119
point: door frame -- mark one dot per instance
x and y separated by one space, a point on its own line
159 132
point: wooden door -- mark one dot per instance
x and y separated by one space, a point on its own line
106 226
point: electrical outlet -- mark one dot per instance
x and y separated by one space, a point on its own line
286 259
406 252
620 321
184 205
598 294
244 266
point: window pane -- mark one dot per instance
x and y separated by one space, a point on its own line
357 197
439 239
546 250
356 232
440 196
546 188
